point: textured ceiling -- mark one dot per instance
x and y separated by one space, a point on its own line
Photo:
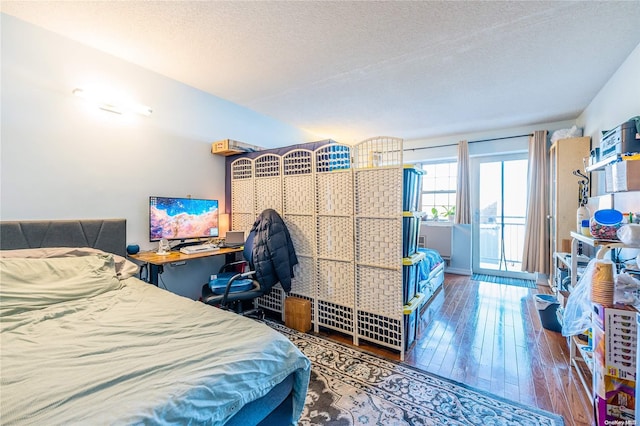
352 70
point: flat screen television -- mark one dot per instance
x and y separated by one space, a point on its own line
175 218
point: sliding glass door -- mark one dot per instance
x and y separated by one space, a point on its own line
500 201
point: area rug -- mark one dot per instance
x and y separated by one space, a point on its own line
503 280
351 387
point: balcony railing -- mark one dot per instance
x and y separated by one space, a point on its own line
501 253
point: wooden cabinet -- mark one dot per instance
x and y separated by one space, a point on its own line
565 156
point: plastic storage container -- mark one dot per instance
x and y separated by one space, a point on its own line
605 224
411 311
339 157
412 184
547 306
410 232
410 276
585 228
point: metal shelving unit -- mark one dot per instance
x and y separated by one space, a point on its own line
579 354
600 165
581 358
603 247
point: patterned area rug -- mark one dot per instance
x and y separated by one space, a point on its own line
351 387
502 280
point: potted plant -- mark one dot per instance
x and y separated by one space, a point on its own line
449 212
435 213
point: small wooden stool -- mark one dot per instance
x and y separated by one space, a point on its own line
297 314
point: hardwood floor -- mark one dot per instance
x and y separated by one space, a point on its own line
489 336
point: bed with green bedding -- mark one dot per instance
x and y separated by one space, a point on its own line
86 342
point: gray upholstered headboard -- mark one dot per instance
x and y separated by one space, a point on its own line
109 235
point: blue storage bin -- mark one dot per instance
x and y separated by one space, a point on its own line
547 306
410 232
219 284
412 186
339 157
411 312
410 276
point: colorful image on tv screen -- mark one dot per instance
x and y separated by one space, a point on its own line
182 218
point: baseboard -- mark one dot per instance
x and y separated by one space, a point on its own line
458 271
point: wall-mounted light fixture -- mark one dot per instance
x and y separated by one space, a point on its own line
115 106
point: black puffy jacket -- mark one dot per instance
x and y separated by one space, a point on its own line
273 253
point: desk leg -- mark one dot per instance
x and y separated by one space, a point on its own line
154 272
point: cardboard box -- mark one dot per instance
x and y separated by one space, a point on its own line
614 342
623 176
297 314
618 403
231 147
614 390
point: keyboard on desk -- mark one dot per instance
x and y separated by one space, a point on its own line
200 248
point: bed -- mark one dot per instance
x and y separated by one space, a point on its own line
85 341
430 274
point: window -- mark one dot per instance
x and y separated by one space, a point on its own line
439 186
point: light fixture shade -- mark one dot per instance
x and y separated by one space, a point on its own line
117 107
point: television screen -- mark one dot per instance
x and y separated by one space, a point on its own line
182 218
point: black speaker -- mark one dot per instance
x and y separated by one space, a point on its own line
133 248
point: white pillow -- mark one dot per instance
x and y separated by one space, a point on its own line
125 268
30 284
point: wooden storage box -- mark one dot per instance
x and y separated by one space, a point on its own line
297 314
231 147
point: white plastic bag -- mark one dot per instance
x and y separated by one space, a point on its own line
627 291
629 234
577 312
573 132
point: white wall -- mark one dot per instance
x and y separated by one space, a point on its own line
64 159
617 102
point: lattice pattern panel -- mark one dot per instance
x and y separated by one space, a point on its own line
380 329
304 280
242 168
273 301
240 201
333 157
379 242
303 233
297 162
242 222
268 165
336 317
334 193
335 237
378 192
299 195
335 282
268 194
379 291
381 151
242 196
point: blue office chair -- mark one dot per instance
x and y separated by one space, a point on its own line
235 284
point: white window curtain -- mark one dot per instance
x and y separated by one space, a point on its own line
463 193
536 235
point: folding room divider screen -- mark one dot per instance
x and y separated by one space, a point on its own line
343 208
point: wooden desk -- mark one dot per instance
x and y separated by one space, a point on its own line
156 262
